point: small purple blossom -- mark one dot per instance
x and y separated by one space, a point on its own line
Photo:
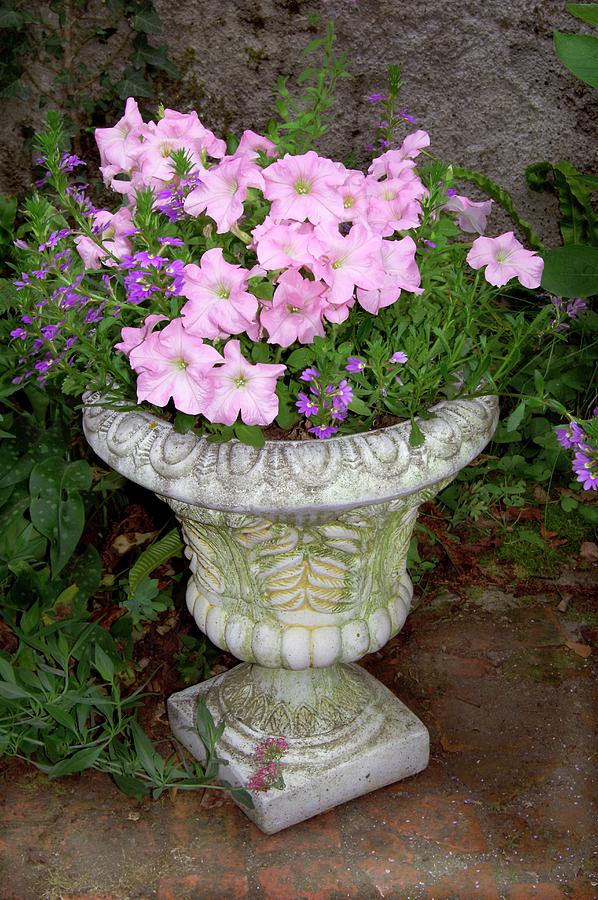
69 162
50 331
309 374
171 241
451 192
19 334
323 431
399 357
21 245
306 405
586 469
429 243
375 98
570 436
407 117
355 364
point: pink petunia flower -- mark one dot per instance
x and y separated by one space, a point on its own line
354 197
223 191
284 244
252 144
346 261
394 204
112 233
239 387
401 272
505 258
132 337
304 187
118 144
472 216
295 313
218 302
173 364
393 162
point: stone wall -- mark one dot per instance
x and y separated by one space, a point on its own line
482 77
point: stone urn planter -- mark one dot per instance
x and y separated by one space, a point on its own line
298 560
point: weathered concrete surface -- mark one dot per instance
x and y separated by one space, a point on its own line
481 77
506 809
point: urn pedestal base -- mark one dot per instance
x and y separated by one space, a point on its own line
347 735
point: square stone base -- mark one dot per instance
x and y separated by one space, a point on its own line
388 744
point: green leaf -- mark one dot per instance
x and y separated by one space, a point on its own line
131 786
104 664
516 417
148 757
155 555
571 271
589 513
250 434
78 762
587 12
184 422
358 406
11 18
531 537
568 504
61 716
147 21
6 671
242 797
300 358
416 435
579 54
11 691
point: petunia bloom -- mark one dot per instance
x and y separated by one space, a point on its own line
219 303
132 337
173 364
223 191
505 258
237 387
346 261
304 187
296 311
401 272
472 216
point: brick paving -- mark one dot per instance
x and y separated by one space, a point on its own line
507 808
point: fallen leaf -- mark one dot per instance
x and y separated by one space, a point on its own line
581 649
541 495
589 551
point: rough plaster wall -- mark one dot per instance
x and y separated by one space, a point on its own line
480 75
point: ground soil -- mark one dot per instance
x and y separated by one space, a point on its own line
498 662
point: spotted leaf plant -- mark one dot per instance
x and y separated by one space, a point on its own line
249 292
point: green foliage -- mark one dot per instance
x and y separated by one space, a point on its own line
303 121
155 555
571 271
579 54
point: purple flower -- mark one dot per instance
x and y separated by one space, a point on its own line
21 245
323 431
355 364
69 162
576 307
50 331
384 143
586 470
429 243
43 365
451 192
375 98
306 405
407 117
399 357
309 374
570 436
172 241
19 334
344 392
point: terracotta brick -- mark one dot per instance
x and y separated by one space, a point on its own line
474 883
583 890
540 891
194 887
316 834
390 879
310 878
380 843
444 819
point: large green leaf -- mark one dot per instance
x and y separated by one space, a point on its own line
579 54
571 271
156 555
56 509
587 12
